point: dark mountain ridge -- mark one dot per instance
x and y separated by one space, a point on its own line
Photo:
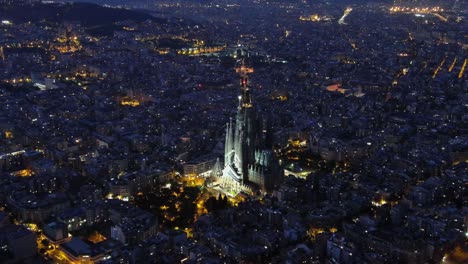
86 14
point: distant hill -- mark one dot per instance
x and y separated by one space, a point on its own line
87 14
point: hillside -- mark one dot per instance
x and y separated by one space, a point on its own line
87 14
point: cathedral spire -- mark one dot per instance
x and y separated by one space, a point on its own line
245 99
228 139
217 170
247 161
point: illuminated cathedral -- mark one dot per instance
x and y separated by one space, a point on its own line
249 162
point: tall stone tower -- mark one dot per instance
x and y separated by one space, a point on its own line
250 164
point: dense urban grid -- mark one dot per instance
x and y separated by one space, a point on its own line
233 131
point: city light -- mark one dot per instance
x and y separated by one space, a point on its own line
379 203
249 132
346 13
129 102
312 18
462 70
418 10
